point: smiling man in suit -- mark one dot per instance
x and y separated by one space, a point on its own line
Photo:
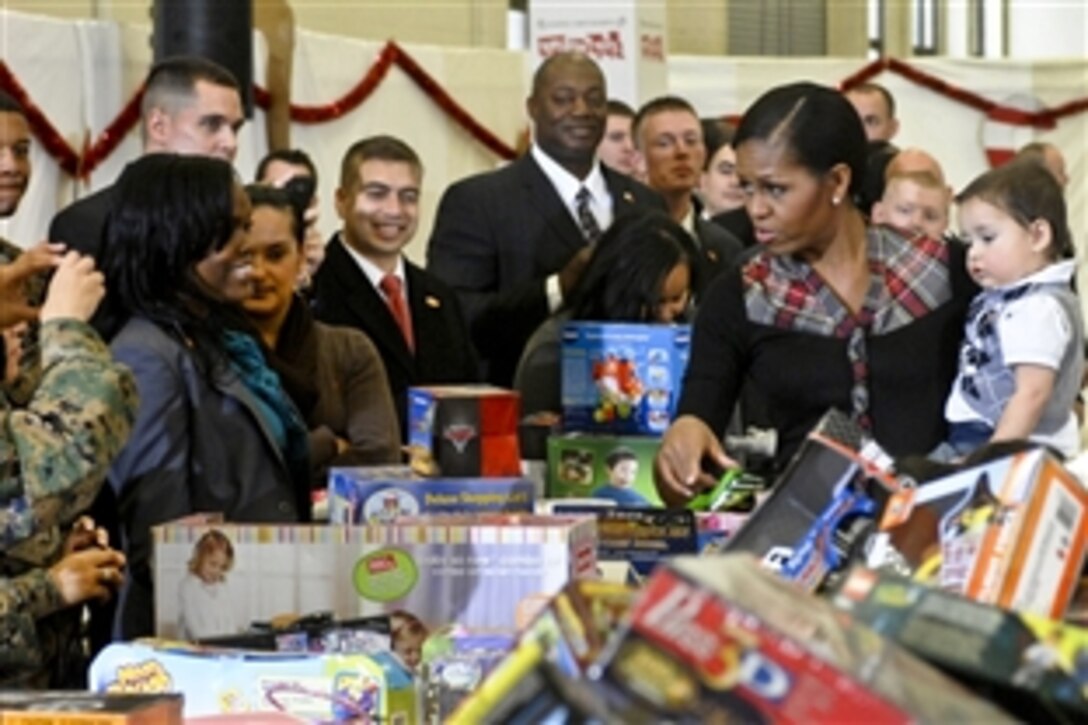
514 242
365 282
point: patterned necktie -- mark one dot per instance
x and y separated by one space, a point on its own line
588 223
394 297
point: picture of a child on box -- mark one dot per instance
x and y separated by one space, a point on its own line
408 636
204 597
622 465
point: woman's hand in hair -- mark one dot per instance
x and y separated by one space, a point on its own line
14 306
75 291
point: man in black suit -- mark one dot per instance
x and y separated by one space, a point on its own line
190 106
669 136
513 242
365 282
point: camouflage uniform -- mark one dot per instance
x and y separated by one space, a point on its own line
20 390
54 454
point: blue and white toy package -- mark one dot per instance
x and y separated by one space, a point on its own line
381 494
622 377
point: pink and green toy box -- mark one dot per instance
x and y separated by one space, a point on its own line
486 571
622 378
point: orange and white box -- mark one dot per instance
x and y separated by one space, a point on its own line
1012 532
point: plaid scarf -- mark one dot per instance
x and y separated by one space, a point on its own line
908 279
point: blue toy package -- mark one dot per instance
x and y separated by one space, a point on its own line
381 494
622 378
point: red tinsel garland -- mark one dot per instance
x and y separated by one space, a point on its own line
49 136
82 164
1043 119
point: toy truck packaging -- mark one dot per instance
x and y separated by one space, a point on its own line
1034 668
622 378
823 507
381 494
465 430
718 639
616 468
251 686
1011 532
489 572
87 708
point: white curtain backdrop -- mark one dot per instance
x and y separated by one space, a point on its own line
81 73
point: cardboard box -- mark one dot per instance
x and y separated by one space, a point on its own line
640 537
617 468
1032 667
311 687
466 430
821 510
718 639
381 494
486 572
622 378
1012 532
86 708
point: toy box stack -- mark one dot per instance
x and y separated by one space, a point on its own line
620 386
715 637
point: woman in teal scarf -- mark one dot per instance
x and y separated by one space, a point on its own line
215 431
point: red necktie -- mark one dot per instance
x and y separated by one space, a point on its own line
394 297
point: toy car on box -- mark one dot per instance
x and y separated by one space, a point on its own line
1034 668
719 639
622 378
821 510
465 430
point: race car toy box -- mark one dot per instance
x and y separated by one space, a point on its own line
305 686
486 571
87 708
718 639
1034 668
381 494
465 430
821 510
1010 532
617 468
622 378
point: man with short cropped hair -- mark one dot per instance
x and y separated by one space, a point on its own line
876 106
190 106
669 137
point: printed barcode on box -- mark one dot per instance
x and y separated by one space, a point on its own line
1067 512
